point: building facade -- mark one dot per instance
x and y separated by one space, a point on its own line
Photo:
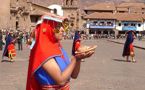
109 18
22 15
19 15
4 14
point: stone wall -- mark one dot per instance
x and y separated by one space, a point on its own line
4 14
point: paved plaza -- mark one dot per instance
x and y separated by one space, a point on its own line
105 70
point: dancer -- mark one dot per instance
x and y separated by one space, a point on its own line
128 46
49 66
9 50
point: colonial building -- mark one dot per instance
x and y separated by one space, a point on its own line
23 14
19 15
101 23
111 18
129 21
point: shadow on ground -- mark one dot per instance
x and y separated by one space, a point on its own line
6 61
120 60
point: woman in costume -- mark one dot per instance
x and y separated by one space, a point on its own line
50 67
9 50
128 46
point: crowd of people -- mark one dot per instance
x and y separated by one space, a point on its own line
20 38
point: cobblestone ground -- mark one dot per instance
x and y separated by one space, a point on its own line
105 70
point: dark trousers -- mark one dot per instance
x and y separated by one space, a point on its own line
20 46
1 48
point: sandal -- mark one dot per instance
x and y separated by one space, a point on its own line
134 61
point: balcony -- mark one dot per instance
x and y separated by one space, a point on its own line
101 27
127 28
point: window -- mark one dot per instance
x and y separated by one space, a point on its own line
109 24
95 22
132 24
17 25
71 2
101 23
55 11
119 24
125 24
139 25
66 2
72 24
34 18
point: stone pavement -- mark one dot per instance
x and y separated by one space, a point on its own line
105 70
137 43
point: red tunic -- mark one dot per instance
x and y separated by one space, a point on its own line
11 51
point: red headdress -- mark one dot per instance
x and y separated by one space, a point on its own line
46 46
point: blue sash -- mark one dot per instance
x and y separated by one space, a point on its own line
44 78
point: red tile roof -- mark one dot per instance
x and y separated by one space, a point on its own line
101 6
128 17
97 15
128 4
117 16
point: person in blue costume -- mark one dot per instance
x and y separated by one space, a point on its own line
50 68
128 49
9 50
76 42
